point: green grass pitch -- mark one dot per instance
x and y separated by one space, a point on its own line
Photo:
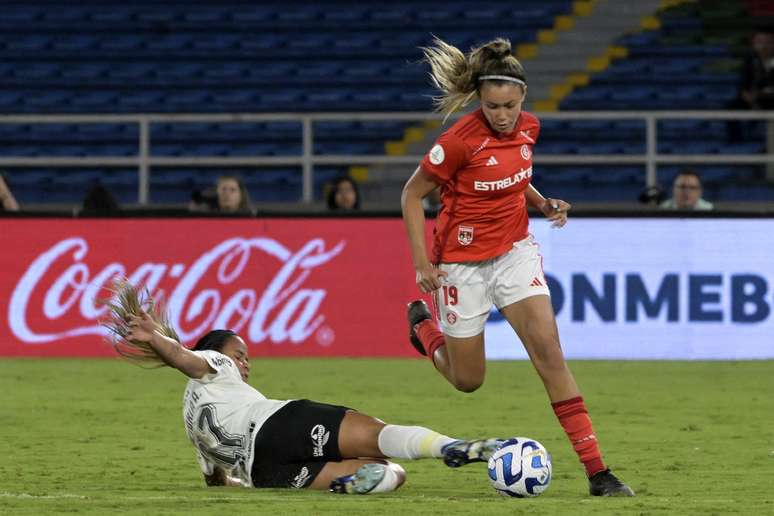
103 436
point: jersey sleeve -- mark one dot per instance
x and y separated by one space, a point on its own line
224 367
447 156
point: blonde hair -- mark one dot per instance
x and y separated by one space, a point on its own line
456 75
127 302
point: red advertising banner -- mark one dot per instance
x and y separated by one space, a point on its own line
289 287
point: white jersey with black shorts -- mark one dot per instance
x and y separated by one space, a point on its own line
222 414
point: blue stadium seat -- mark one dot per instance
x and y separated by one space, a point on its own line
122 42
29 43
37 71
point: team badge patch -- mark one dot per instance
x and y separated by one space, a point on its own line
465 235
451 317
525 152
437 155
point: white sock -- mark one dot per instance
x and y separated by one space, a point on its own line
411 442
393 478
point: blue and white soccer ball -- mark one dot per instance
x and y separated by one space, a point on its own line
521 467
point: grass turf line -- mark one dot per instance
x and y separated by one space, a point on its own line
102 436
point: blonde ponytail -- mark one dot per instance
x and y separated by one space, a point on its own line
456 75
128 302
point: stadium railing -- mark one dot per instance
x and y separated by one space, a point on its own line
144 161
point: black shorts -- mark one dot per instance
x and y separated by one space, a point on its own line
293 445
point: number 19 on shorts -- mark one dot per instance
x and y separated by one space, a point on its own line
449 295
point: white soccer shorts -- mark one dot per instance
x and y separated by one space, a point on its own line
471 288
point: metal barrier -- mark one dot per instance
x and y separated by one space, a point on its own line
307 160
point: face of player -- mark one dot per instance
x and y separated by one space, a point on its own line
236 349
229 195
501 104
346 197
686 191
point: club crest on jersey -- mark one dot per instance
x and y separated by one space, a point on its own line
465 235
437 155
525 152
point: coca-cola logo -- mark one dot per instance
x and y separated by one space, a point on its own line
279 310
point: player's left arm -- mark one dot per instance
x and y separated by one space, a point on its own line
555 210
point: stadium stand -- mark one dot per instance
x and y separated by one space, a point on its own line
689 60
235 56
224 57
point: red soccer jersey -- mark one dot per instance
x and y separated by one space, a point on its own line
483 176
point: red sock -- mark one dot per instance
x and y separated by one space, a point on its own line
576 422
430 337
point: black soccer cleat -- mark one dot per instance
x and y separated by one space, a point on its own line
459 453
417 312
605 483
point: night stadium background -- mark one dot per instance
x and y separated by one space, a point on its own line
665 315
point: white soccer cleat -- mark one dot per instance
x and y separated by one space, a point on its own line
363 481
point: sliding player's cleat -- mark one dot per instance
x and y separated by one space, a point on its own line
363 481
459 453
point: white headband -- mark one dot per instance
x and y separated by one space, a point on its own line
501 78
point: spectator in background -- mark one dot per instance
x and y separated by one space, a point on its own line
232 196
229 195
7 200
686 193
756 80
343 194
99 202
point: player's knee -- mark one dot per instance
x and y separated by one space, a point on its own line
394 477
468 384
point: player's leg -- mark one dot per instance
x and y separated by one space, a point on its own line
533 320
461 360
361 435
457 348
522 294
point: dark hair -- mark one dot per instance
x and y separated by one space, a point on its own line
99 201
689 172
244 202
330 198
214 340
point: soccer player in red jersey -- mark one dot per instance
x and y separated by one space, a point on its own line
482 251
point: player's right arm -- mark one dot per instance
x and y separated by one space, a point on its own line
417 188
145 329
419 185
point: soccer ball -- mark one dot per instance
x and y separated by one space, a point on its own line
521 467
